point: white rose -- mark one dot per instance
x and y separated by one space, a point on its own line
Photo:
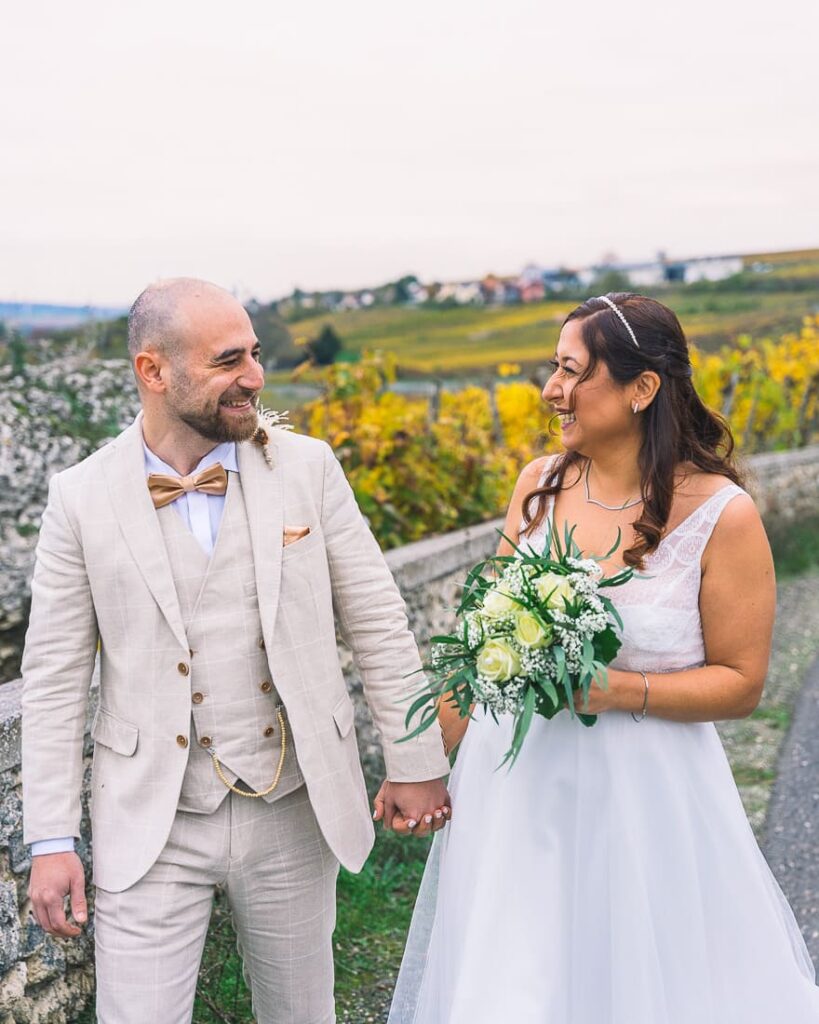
497 603
553 589
530 632
498 661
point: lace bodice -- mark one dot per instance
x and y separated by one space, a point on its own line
662 630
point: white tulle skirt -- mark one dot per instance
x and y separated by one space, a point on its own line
609 877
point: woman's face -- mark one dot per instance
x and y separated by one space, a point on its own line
593 413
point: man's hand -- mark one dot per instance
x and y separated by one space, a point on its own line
53 877
413 808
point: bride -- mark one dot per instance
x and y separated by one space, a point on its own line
610 876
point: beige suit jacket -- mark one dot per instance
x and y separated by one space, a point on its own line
102 575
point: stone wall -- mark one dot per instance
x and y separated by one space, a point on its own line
42 980
46 981
785 485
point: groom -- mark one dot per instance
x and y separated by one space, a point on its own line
205 551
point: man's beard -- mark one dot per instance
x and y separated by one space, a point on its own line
212 424
215 427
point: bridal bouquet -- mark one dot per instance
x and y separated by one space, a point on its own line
533 630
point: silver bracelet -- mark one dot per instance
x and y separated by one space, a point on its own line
643 713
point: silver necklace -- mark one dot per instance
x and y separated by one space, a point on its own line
600 504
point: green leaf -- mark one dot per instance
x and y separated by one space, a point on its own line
523 721
587 655
618 579
430 715
610 608
612 549
550 690
606 645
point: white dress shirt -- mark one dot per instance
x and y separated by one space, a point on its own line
202 514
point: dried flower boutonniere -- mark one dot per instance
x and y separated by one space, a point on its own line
269 420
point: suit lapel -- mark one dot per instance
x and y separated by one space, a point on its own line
135 512
264 500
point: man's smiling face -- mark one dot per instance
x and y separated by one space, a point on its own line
214 376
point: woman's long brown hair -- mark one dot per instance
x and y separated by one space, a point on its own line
677 426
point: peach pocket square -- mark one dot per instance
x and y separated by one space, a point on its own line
294 533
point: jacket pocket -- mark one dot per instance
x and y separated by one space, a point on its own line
114 733
344 715
311 540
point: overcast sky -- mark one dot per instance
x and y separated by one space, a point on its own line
264 145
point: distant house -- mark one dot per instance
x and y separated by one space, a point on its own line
532 291
417 293
531 273
511 291
712 268
640 275
462 293
492 290
560 279
654 273
500 291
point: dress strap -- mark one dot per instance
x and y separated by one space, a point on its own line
690 538
713 507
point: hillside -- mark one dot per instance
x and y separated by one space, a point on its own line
471 339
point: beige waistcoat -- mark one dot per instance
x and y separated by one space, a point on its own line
234 701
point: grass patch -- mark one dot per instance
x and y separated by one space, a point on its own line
749 775
795 546
776 717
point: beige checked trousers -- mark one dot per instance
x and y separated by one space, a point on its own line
279 876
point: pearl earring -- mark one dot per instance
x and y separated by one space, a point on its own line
635 408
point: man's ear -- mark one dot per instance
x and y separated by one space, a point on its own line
149 367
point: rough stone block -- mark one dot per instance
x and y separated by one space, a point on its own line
46 964
57 1002
19 855
11 808
13 987
79 952
9 926
33 935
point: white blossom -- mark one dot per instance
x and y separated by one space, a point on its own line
54 416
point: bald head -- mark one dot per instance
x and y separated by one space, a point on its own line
197 362
162 315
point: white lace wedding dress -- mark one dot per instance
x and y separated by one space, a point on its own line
611 876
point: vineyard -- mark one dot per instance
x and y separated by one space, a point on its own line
470 340
422 466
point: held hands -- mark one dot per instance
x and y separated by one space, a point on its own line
413 808
53 877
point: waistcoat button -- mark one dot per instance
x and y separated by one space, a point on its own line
266 686
183 668
269 730
197 698
205 741
261 642
182 741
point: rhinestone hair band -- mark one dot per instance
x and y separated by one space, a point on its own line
626 324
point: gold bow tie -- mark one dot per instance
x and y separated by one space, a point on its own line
165 488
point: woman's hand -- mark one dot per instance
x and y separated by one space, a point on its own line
599 699
422 824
